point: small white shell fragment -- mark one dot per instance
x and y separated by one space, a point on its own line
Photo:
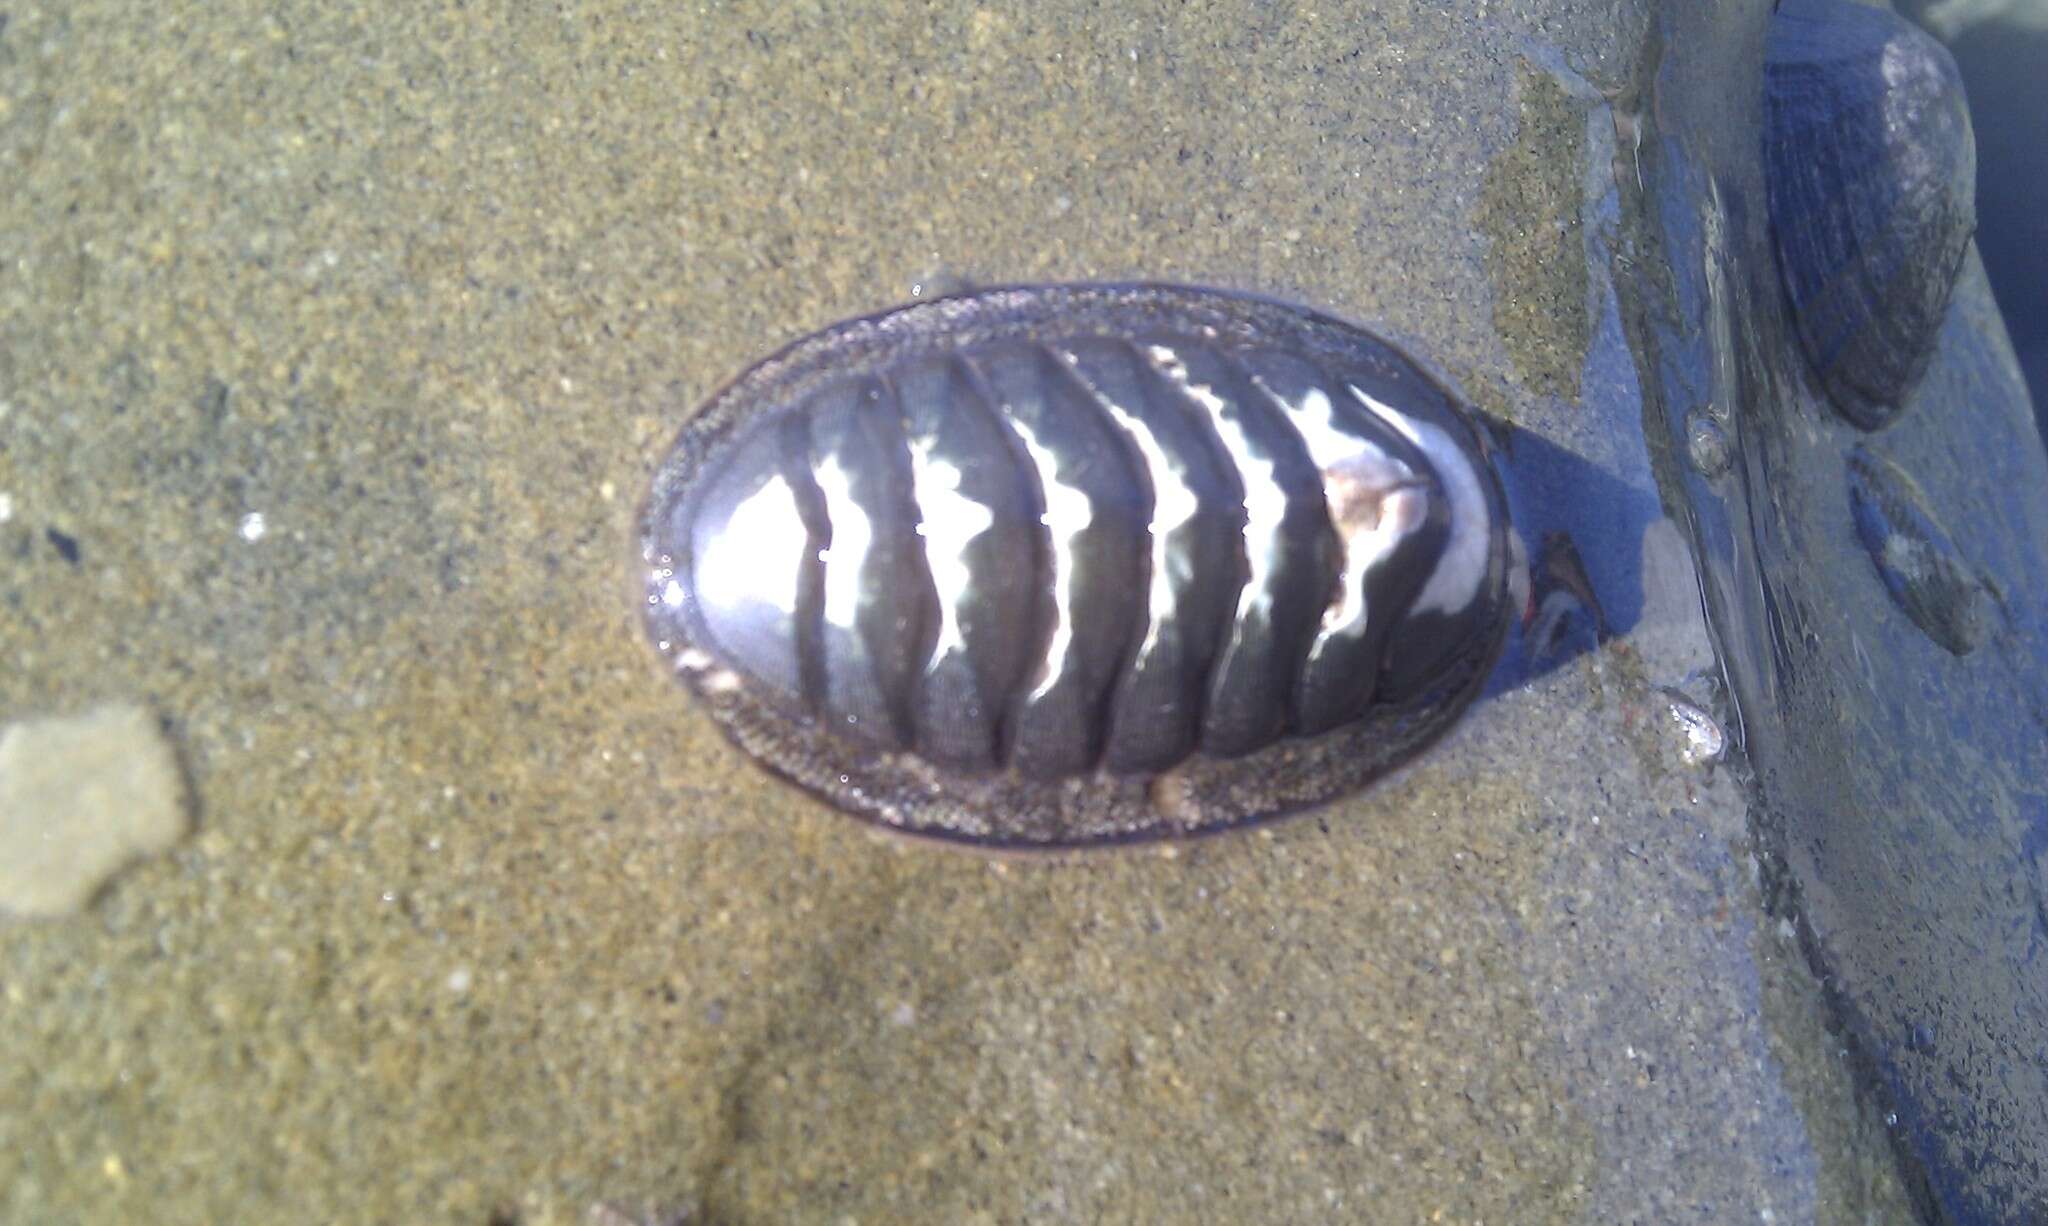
1705 742
81 797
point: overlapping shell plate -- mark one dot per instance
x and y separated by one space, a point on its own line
1064 565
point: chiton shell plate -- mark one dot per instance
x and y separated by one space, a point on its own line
1057 566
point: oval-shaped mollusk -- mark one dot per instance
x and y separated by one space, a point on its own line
1061 565
1916 559
1870 178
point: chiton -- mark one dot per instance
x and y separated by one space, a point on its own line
1055 566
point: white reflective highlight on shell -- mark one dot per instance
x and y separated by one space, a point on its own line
1705 742
852 536
1461 569
950 523
1375 504
1265 501
1068 513
1373 500
757 559
1174 503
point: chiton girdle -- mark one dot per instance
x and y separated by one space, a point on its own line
1057 566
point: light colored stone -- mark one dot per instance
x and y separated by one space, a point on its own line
80 798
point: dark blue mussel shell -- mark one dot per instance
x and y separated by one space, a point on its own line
1870 172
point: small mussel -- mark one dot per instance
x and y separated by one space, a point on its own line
1870 173
1917 560
1067 565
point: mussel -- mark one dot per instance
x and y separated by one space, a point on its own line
1870 174
1917 560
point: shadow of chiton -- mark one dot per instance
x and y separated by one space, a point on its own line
1057 566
